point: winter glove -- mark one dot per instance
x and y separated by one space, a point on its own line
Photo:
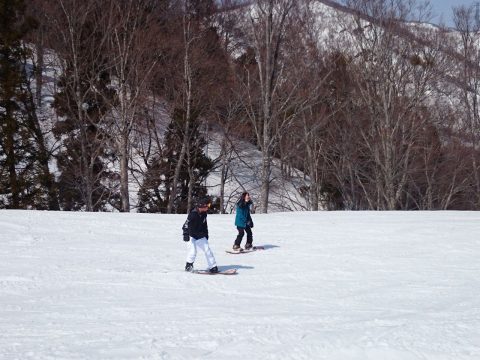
250 223
186 237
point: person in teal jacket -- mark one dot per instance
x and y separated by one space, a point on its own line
243 222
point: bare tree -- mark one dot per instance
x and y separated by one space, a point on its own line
148 137
76 36
440 172
189 37
312 106
468 26
228 119
226 107
393 79
132 34
196 82
264 105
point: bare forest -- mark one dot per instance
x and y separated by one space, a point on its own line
112 105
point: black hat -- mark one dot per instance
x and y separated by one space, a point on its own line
203 202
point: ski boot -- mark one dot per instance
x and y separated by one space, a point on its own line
189 267
237 248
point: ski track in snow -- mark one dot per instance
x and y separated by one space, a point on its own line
331 285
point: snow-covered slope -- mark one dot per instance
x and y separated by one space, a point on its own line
244 169
331 285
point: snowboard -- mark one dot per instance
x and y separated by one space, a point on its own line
221 272
243 251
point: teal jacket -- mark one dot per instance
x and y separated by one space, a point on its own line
242 217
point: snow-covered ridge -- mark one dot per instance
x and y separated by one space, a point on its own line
331 285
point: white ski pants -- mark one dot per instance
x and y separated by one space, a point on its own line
201 244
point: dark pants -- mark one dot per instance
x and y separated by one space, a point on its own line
241 232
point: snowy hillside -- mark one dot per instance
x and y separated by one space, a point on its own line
330 285
334 27
243 168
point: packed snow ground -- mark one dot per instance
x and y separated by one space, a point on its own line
330 285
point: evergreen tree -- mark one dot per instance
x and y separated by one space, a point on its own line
155 191
86 181
87 178
21 170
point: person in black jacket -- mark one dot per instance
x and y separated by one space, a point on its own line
195 230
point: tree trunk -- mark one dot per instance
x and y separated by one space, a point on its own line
191 180
176 176
38 75
187 78
223 174
124 193
265 176
10 160
46 178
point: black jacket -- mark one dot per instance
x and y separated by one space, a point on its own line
196 225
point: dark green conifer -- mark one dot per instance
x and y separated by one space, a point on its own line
21 171
155 191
